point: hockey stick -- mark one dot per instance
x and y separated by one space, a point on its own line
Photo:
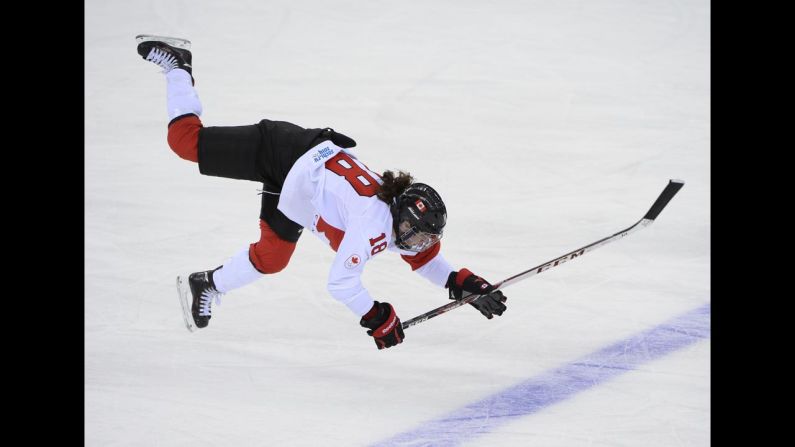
668 193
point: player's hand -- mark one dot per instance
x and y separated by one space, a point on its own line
384 325
492 301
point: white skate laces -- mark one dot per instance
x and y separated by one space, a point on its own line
206 301
165 60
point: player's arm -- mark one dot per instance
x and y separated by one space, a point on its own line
432 266
345 285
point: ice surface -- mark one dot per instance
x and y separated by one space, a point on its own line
544 125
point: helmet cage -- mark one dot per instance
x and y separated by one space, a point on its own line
416 240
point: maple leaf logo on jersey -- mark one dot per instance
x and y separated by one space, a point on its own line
353 261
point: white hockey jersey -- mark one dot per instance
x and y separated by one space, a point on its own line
333 194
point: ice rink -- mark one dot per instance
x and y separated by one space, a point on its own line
545 126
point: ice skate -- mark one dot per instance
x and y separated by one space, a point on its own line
166 52
196 294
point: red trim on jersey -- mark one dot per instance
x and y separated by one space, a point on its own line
183 137
422 258
271 254
333 234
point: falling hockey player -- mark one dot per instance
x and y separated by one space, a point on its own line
311 179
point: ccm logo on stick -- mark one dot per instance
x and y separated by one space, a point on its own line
560 260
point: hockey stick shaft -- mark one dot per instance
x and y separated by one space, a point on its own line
662 200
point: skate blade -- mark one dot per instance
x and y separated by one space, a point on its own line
176 42
183 291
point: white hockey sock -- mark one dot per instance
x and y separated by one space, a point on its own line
236 272
181 97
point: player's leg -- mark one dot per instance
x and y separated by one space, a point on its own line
182 101
200 290
269 255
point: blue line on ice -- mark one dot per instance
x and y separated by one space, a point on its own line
559 384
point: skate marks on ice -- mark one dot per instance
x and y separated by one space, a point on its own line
559 384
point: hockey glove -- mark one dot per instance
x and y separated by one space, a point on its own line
384 325
490 304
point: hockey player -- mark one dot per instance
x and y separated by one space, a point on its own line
311 179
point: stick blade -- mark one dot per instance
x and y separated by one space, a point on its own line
668 193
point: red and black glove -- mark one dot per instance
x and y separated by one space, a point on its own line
384 325
490 304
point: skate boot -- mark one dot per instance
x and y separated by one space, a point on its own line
167 52
196 297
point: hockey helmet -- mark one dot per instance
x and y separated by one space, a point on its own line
418 218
